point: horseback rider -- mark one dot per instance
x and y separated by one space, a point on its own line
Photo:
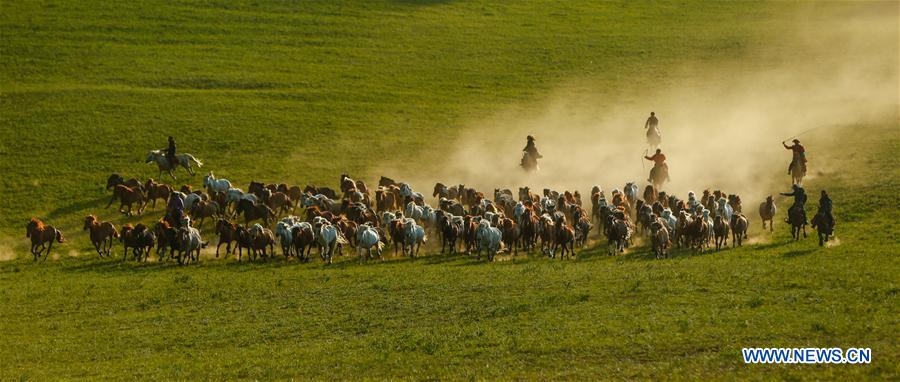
799 155
651 123
170 152
659 160
799 195
825 207
529 159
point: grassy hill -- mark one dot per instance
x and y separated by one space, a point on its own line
301 92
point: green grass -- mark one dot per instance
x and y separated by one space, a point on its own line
280 91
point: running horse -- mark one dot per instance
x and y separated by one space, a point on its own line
42 237
183 160
798 171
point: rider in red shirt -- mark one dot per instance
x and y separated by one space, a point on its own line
799 154
659 160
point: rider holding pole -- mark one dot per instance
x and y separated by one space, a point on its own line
799 155
659 160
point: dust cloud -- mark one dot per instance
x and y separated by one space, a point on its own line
721 126
6 253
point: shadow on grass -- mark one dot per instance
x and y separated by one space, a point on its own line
798 253
75 207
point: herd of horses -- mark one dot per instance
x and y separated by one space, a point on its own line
463 219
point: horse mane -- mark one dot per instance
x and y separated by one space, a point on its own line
38 224
164 224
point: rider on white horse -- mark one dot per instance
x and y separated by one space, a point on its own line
652 124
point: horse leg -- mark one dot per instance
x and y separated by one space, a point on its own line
49 247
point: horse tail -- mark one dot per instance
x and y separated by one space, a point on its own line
380 245
59 237
195 160
115 233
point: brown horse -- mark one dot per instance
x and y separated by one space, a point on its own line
128 197
260 239
347 183
767 213
721 229
565 237
294 193
303 241
204 209
43 236
650 194
102 234
311 189
386 200
739 225
510 233
385 182
255 212
227 232
116 179
698 234
157 191
139 239
280 203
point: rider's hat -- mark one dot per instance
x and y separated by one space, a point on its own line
530 138
796 140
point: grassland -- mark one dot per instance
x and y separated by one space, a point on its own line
285 91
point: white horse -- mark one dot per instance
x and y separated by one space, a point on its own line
234 194
429 219
329 239
366 239
631 191
414 236
189 242
724 210
184 160
488 238
413 211
692 200
386 219
518 212
190 200
283 231
405 190
215 185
